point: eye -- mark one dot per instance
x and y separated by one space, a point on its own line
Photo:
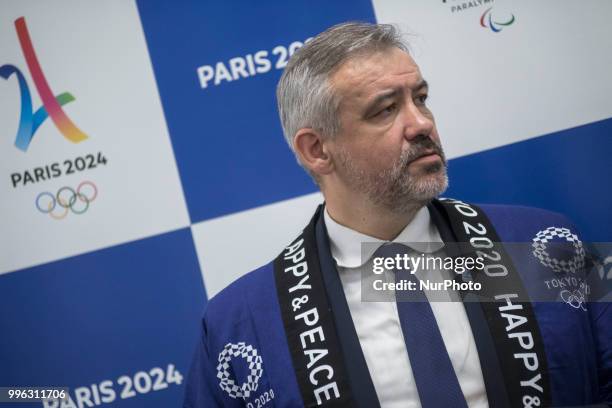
387 110
422 99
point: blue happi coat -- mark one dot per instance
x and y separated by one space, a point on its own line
243 357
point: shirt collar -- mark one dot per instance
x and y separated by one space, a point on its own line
345 243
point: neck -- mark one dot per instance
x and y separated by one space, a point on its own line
368 218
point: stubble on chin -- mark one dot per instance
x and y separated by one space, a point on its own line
395 188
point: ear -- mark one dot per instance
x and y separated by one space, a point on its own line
312 151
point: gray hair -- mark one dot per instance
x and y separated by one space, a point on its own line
304 93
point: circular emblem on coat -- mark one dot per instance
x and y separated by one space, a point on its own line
568 262
575 298
227 382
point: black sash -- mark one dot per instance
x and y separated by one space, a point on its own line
309 323
321 360
508 313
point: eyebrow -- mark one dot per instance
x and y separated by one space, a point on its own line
421 85
388 95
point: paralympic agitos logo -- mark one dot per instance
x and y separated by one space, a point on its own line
29 121
487 21
496 22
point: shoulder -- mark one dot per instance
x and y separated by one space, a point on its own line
518 223
241 298
520 212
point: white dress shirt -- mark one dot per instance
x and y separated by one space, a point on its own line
378 326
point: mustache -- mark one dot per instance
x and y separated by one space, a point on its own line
420 146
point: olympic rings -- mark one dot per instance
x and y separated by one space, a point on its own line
72 197
67 199
575 299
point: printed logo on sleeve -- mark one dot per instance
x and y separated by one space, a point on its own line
227 381
540 250
573 290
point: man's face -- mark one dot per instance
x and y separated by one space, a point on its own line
388 148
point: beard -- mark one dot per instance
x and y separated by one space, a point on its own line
394 188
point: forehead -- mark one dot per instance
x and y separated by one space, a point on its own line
365 75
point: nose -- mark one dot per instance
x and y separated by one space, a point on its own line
416 122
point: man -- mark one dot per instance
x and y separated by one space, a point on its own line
353 106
